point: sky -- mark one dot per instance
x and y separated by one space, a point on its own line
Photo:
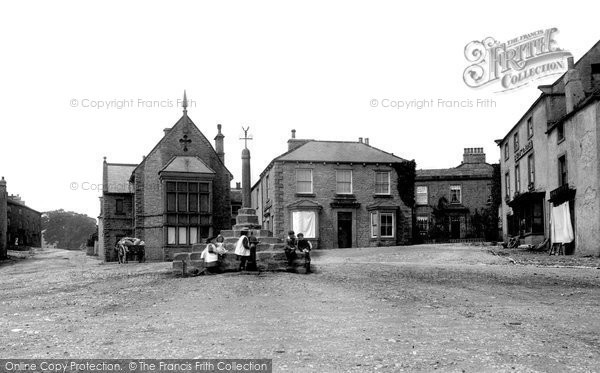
314 66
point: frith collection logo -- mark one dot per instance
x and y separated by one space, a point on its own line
514 63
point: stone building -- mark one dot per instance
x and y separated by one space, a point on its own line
178 195
20 225
551 156
451 203
236 202
338 194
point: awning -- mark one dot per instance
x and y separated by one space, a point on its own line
526 198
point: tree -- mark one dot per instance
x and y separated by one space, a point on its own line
67 229
439 228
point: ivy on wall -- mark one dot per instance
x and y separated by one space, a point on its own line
406 181
406 172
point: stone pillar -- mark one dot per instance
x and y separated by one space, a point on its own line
3 219
246 192
246 218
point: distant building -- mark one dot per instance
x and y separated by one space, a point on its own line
177 196
551 156
20 225
452 203
338 194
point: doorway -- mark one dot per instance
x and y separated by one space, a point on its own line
344 222
454 227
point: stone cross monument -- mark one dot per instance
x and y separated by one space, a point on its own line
246 192
246 218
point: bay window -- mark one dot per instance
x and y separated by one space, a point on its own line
188 212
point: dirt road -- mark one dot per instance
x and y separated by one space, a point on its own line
418 308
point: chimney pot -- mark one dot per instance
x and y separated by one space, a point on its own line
166 131
570 62
367 140
474 155
238 185
293 134
360 140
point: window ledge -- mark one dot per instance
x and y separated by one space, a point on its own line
382 196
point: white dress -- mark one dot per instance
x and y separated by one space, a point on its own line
239 247
209 257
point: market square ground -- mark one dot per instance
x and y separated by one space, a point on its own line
417 308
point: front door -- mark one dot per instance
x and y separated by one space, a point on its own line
455 227
344 229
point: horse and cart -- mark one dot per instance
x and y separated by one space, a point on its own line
129 248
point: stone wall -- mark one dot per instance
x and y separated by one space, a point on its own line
113 225
581 147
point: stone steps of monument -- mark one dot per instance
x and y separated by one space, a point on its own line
261 240
230 246
190 263
235 233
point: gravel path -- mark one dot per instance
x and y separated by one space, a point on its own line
418 308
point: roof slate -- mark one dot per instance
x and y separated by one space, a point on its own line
190 164
464 170
118 177
338 151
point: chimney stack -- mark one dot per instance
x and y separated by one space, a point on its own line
473 155
219 144
166 131
573 87
294 143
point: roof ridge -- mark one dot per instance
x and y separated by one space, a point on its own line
122 164
343 142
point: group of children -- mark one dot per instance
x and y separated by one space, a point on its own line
302 244
212 255
245 249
